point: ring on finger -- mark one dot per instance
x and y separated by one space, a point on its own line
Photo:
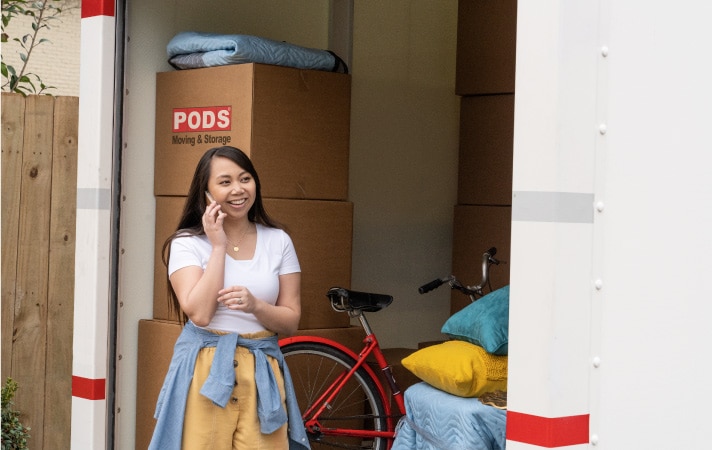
239 300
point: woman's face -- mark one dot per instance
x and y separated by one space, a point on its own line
232 187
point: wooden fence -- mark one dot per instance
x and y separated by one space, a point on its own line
39 166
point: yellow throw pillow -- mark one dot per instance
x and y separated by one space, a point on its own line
459 368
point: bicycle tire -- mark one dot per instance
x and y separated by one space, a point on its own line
358 405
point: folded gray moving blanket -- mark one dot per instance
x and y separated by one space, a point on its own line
192 50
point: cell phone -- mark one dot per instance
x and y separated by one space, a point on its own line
209 197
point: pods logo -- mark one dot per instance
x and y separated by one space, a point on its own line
208 118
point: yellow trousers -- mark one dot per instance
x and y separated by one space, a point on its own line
208 426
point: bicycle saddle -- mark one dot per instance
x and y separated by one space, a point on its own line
343 299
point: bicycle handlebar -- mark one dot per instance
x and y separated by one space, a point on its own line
433 284
487 260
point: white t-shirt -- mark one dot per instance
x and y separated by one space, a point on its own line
274 256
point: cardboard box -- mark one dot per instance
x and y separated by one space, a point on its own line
476 229
155 349
486 150
168 211
486 47
293 123
322 235
322 232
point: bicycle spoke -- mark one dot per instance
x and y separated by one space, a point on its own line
306 381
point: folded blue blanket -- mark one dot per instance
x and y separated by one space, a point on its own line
436 420
192 50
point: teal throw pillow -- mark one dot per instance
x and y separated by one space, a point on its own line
484 322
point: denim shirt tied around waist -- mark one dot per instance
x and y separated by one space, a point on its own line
170 408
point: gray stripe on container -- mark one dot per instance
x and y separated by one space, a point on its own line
90 198
558 207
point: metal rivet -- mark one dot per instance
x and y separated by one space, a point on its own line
596 361
602 128
600 206
604 51
594 439
598 284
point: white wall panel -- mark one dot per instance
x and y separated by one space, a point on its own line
656 222
613 100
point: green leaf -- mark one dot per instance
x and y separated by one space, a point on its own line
14 433
41 13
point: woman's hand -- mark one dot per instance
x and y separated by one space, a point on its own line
282 318
194 287
237 298
213 224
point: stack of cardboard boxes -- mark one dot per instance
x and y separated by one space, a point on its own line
486 50
294 125
486 45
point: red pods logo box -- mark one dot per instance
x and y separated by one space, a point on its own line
207 118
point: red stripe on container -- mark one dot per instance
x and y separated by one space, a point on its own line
547 432
93 8
88 388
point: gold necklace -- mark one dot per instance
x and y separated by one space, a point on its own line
235 245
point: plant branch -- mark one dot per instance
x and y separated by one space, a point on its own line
36 30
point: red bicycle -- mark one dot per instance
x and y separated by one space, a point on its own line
344 404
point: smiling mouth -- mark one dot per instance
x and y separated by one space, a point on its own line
238 202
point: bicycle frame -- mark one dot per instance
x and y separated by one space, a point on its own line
371 347
355 367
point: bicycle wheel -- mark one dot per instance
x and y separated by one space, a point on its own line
357 406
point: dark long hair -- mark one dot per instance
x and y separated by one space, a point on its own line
191 221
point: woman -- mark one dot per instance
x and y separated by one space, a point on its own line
235 278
